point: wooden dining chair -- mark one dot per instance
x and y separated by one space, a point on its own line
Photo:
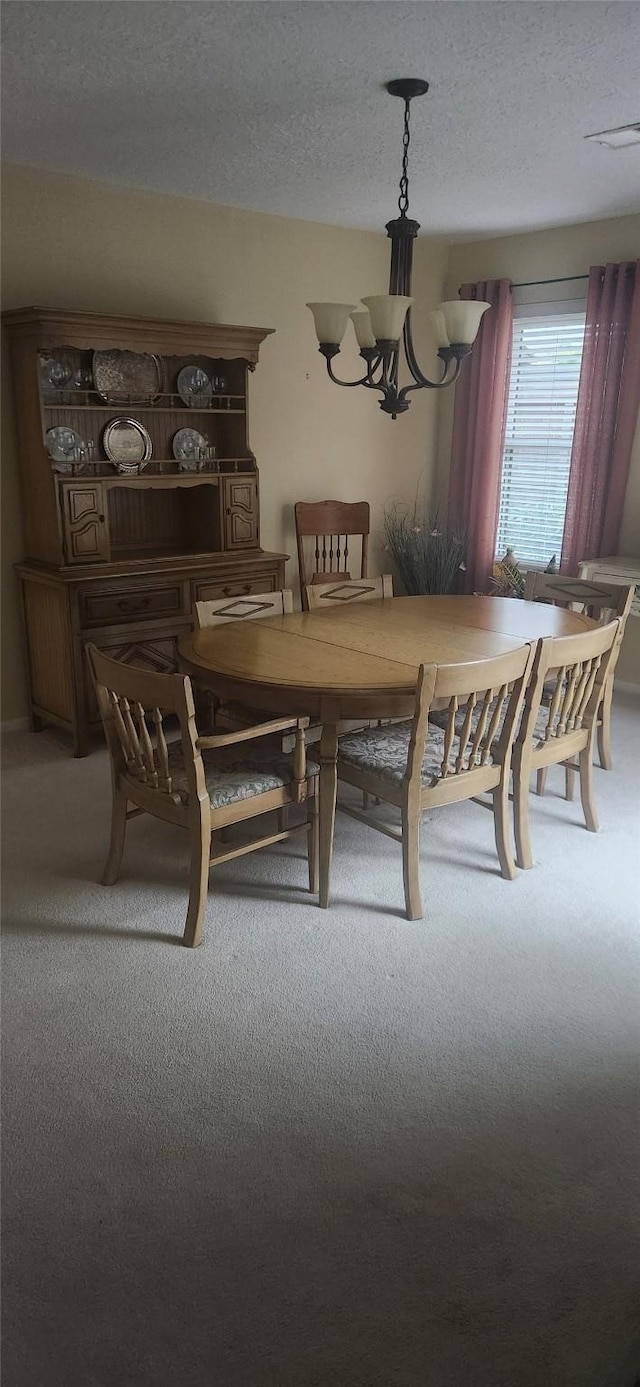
226 713
604 601
251 608
560 719
417 765
202 784
323 595
323 532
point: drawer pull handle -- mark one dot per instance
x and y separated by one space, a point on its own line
229 592
133 605
101 519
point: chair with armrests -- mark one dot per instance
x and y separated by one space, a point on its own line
323 531
202 784
321 595
603 601
418 765
217 612
221 610
560 719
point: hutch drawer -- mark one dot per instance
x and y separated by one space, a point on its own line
103 608
241 586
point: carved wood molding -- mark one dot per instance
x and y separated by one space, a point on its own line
226 341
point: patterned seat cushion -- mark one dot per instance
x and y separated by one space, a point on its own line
383 752
231 777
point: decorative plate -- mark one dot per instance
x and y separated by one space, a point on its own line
186 443
127 444
194 387
62 443
54 374
123 378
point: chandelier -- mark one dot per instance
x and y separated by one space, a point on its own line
386 318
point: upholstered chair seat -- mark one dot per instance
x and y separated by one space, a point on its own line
384 751
230 778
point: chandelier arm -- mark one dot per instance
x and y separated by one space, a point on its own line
422 381
425 384
364 380
384 379
395 362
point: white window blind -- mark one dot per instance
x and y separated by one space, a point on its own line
543 390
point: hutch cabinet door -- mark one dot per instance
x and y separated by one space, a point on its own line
240 513
85 526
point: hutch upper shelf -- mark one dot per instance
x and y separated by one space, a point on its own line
101 400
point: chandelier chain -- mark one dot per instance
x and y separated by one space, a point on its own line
403 200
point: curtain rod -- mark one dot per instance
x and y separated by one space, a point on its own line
533 283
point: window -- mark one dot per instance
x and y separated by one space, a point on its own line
541 411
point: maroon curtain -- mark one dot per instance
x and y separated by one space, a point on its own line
606 414
478 431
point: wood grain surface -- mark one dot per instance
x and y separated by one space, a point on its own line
368 648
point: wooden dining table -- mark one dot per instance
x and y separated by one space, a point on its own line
359 661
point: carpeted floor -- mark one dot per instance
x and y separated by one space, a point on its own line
328 1147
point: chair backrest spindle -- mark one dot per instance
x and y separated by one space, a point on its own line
146 746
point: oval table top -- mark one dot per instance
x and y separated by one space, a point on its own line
364 650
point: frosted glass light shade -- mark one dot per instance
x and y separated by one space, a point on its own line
462 319
363 329
331 320
436 318
388 312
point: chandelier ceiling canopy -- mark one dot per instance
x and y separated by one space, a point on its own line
383 326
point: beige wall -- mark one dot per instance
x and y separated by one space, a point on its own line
76 244
568 250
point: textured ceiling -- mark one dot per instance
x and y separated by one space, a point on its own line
280 107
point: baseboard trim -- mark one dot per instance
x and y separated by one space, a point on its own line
14 725
621 686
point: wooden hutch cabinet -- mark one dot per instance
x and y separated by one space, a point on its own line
127 525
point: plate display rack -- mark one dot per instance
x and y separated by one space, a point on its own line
123 539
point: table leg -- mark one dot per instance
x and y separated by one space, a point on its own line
328 788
